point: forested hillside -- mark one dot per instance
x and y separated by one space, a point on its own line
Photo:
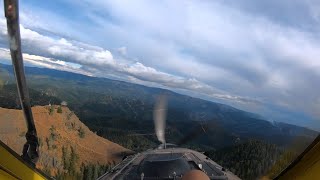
123 113
9 97
248 160
256 158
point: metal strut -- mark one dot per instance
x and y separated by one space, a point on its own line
30 150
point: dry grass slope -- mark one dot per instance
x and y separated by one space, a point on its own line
55 131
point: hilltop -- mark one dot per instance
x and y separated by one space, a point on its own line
119 110
61 136
122 112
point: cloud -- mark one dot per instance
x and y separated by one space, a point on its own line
122 50
40 61
292 13
240 52
72 55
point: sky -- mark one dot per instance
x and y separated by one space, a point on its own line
259 56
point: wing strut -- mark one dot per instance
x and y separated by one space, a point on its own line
30 150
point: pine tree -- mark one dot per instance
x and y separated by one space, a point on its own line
53 134
59 110
89 173
51 110
48 143
84 172
81 132
95 171
65 158
73 161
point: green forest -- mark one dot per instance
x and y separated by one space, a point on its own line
71 168
122 112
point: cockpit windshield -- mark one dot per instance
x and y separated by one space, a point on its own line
111 84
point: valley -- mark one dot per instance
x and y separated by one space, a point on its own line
122 113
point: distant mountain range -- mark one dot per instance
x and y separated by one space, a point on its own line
122 112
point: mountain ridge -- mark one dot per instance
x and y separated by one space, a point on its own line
77 76
59 132
123 108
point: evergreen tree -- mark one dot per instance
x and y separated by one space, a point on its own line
51 110
48 143
73 161
81 132
89 173
65 159
95 171
53 133
59 110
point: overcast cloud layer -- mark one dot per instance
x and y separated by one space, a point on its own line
259 56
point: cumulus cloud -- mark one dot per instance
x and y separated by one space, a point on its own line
241 52
41 61
72 55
